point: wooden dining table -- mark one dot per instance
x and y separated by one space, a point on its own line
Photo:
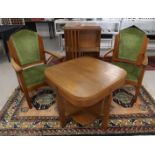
84 88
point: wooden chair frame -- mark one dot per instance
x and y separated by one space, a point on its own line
141 62
20 68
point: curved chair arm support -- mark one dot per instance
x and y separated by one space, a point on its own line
108 52
16 66
54 54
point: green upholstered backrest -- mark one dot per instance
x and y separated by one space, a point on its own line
26 45
130 43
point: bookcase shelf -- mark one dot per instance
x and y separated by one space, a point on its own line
109 29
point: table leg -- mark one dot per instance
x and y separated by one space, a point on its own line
61 109
106 111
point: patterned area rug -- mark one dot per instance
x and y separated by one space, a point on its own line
17 119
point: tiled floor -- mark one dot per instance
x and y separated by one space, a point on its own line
8 80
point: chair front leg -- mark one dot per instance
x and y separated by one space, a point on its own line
137 92
25 90
28 98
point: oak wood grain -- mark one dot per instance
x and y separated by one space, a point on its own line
85 81
82 39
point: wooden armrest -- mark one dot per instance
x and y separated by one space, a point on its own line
33 65
16 66
55 54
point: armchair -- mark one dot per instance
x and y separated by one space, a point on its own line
129 53
28 59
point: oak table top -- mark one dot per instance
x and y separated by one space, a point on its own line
84 82
85 79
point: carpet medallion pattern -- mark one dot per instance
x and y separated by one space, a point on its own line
17 119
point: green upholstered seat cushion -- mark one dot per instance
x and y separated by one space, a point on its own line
130 43
34 75
132 70
27 47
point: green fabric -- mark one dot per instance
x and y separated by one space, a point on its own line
27 46
132 70
130 43
34 75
